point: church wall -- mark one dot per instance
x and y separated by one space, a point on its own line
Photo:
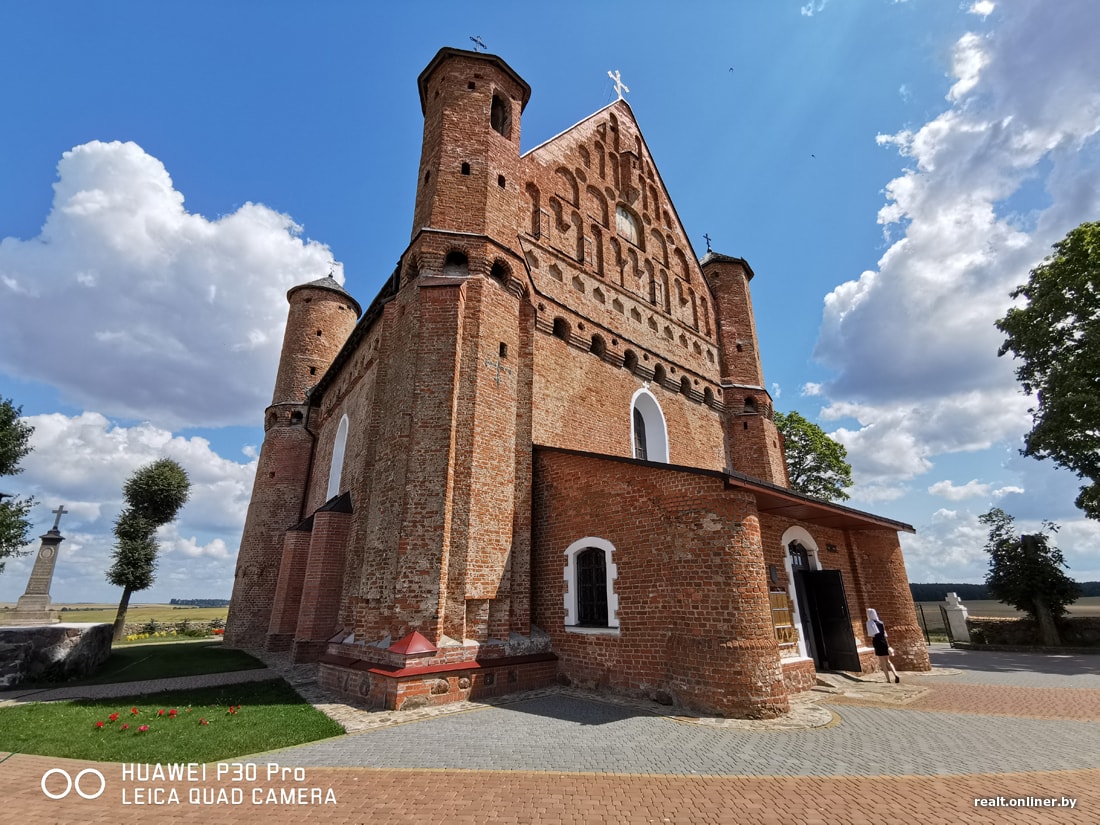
353 393
378 485
484 464
275 507
693 612
876 554
584 403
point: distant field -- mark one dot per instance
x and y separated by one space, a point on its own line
1089 606
165 613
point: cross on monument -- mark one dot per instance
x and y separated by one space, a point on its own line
620 87
478 43
59 512
707 237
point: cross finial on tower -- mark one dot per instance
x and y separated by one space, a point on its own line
620 87
59 512
707 237
478 43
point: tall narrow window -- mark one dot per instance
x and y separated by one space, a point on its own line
639 435
591 588
500 116
336 468
649 434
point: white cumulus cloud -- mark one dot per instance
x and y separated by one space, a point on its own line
154 313
82 462
913 344
958 492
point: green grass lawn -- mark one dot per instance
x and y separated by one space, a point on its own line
210 724
162 660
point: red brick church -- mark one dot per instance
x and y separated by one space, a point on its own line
544 453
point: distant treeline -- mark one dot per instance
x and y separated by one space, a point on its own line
974 592
200 602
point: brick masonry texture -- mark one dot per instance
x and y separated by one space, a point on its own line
426 466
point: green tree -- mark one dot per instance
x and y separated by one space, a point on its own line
15 437
154 494
1056 338
816 464
1026 572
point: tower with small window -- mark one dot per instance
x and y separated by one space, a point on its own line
320 319
468 178
753 443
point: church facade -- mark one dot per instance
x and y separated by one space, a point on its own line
544 453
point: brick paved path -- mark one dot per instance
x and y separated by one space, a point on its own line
1003 726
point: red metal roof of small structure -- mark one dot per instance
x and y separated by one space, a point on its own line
413 643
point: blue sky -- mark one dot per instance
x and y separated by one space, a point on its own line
891 170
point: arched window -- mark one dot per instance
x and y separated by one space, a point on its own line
590 575
336 468
627 225
456 264
561 329
649 441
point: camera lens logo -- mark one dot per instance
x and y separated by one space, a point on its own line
79 784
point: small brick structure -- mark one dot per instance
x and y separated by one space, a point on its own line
545 451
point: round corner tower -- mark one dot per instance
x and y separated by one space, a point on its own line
321 317
753 443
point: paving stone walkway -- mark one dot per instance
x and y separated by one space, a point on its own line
983 726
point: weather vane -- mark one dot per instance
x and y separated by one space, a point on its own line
478 44
620 87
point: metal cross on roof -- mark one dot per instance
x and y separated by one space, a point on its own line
478 44
707 237
620 87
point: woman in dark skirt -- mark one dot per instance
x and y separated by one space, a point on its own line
877 631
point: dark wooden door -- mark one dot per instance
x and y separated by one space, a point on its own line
821 594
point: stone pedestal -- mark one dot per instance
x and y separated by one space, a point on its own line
33 607
956 618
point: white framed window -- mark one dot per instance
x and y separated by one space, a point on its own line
648 432
336 468
591 603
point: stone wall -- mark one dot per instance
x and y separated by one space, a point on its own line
55 652
1077 631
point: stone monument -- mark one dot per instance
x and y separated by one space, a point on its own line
956 614
33 607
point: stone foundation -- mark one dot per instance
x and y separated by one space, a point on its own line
416 687
868 661
799 675
56 652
